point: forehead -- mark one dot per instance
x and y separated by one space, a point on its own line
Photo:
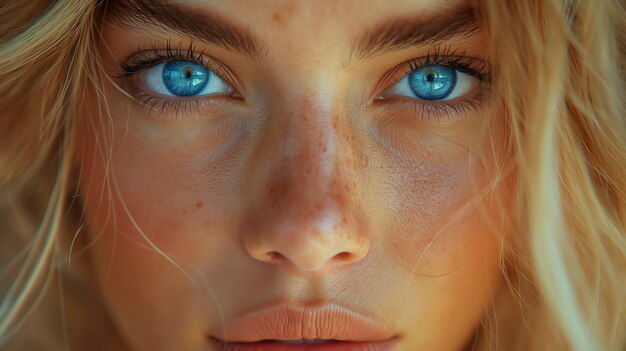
316 17
312 10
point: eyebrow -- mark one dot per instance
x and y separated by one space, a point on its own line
406 32
391 35
202 24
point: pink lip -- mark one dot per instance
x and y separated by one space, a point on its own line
261 329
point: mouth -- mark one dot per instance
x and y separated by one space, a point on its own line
304 345
303 327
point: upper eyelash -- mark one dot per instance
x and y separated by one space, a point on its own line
438 55
454 58
445 56
146 59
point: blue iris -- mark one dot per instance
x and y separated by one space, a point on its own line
185 78
432 82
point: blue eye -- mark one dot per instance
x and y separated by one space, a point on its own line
434 83
183 78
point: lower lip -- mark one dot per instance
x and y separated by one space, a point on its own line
387 345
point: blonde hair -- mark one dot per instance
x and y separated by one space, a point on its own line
562 91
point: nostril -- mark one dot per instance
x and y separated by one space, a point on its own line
275 256
343 256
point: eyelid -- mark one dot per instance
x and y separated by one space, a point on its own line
164 106
146 59
470 65
443 113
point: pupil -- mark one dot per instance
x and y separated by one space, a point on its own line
433 82
185 78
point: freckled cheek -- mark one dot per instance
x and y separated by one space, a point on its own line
176 194
426 197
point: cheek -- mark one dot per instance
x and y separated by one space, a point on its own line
435 234
167 180
154 192
435 225
425 195
437 231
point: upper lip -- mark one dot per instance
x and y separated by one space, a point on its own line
297 321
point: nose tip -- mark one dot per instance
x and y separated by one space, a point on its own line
309 249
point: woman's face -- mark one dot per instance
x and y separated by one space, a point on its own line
289 170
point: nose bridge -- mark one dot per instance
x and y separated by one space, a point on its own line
306 213
308 156
307 167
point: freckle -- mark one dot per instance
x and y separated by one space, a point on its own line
287 11
316 232
199 204
362 160
277 18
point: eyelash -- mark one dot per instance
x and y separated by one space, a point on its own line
146 59
445 56
456 59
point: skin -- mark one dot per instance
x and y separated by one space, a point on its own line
301 191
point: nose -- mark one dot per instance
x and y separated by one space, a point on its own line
320 246
307 217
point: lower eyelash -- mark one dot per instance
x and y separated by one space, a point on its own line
429 112
456 59
144 60
179 106
437 111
